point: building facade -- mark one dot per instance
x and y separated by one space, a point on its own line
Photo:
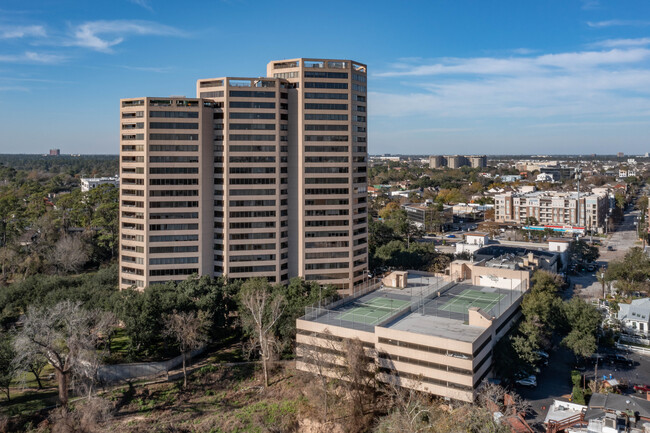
254 177
418 343
548 208
88 183
457 161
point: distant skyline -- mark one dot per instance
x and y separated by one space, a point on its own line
445 77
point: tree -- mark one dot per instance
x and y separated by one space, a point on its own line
190 330
359 374
260 310
7 366
581 251
299 294
583 320
632 273
318 356
67 336
71 253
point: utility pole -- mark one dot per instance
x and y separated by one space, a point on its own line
578 171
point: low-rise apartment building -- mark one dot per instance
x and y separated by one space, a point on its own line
587 210
430 334
88 183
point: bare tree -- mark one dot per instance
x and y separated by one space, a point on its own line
67 336
409 412
71 253
359 374
317 356
260 311
190 330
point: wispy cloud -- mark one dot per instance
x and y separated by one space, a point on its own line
32 57
615 43
159 70
103 35
13 89
613 23
590 4
15 32
142 3
572 86
518 65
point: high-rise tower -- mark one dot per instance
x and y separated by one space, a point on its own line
254 177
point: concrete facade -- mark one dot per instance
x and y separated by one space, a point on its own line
445 356
550 208
254 177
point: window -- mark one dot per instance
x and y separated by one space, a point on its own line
173 137
253 126
251 94
312 95
322 74
318 85
251 104
326 128
326 148
173 170
173 148
165 227
235 148
173 159
252 115
251 137
309 106
175 114
173 125
326 117
173 260
252 159
325 159
176 215
215 94
326 138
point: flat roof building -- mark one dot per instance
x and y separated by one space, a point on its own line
88 183
431 334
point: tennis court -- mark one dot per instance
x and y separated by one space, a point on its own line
472 298
373 311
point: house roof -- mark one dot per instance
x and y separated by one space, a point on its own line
599 404
639 310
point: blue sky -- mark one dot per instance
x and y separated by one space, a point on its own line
452 76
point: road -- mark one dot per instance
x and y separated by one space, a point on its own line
621 240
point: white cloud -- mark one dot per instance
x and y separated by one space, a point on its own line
157 69
519 65
614 43
572 86
32 57
103 35
613 23
142 3
15 32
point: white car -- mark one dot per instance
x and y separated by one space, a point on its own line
529 382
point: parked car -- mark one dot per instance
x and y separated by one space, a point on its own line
619 360
451 236
610 248
528 382
641 388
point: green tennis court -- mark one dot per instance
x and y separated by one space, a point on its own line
472 298
373 311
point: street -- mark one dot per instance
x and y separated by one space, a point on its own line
621 240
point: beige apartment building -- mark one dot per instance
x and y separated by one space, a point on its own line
457 161
254 177
553 208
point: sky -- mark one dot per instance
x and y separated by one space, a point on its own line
445 76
